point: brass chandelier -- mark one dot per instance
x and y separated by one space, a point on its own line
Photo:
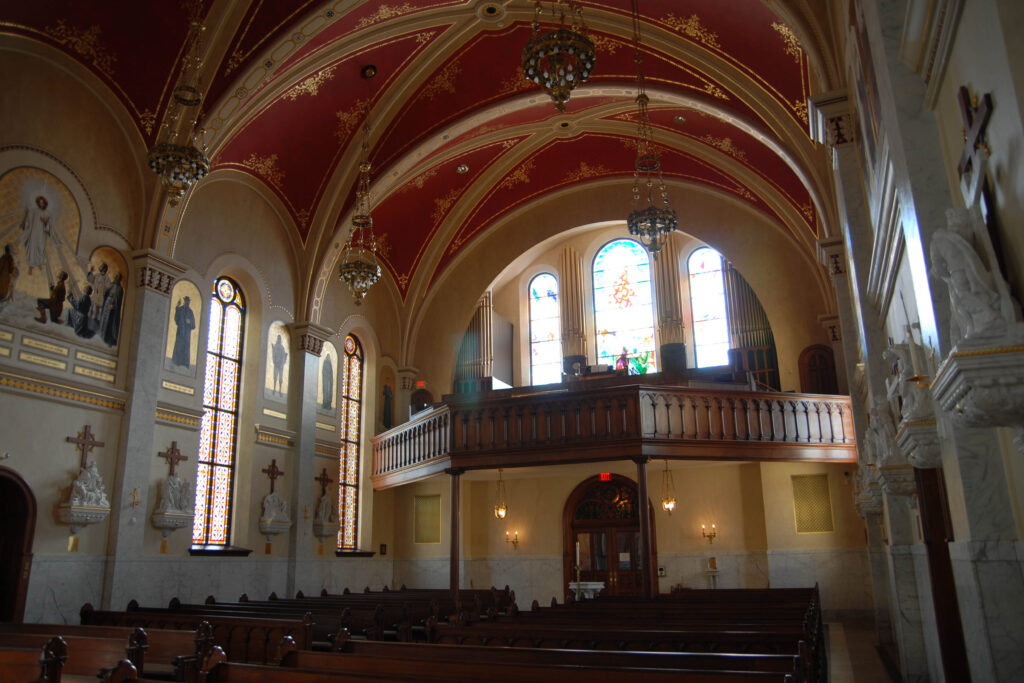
562 58
652 223
500 508
359 267
668 491
179 166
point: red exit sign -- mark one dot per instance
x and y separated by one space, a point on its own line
606 476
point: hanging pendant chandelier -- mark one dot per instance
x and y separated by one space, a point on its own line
652 220
175 158
500 508
668 491
359 268
560 59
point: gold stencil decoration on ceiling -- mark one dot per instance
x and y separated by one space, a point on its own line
793 48
349 119
442 204
443 82
310 86
86 42
812 504
513 84
725 145
605 45
519 175
384 13
693 29
586 171
265 167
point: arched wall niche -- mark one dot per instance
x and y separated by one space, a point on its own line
771 260
17 531
103 147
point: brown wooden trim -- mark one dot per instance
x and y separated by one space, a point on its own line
23 560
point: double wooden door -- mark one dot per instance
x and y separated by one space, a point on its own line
611 554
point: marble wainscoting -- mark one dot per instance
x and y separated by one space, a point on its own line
425 572
531 577
929 627
735 570
843 577
61 584
336 574
989 579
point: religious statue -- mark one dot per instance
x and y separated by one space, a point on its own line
914 397
175 496
324 510
881 434
87 490
274 519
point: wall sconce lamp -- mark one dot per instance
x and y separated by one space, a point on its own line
512 538
668 492
500 508
710 535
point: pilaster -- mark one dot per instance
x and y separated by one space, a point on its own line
152 276
307 343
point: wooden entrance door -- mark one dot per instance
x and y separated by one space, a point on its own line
603 518
17 529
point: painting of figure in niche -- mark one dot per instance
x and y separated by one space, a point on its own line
45 285
183 329
325 383
387 396
278 345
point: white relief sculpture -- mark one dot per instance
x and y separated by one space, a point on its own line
914 397
325 521
87 501
274 519
176 507
880 437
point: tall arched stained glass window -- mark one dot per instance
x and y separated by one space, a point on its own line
623 307
545 331
350 403
707 302
217 435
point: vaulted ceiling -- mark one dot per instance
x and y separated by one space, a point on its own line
459 138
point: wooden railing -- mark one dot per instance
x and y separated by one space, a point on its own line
522 428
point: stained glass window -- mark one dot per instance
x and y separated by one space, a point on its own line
219 427
623 307
707 302
545 331
350 404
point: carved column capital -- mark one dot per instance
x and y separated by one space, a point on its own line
310 337
829 119
832 255
154 271
898 480
407 378
919 443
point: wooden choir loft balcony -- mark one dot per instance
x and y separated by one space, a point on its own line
614 418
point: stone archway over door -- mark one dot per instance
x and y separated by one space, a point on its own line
17 529
603 516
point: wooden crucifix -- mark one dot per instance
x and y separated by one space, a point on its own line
173 456
85 441
272 473
975 114
324 481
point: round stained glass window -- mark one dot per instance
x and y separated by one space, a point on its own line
350 344
225 290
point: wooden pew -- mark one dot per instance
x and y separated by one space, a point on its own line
243 638
80 656
30 664
168 654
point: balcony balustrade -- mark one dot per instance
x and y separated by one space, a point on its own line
524 427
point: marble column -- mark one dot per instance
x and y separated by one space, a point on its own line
870 506
916 154
898 488
572 311
153 276
669 296
644 551
307 343
403 397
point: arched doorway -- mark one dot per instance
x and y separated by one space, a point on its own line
602 515
818 370
17 529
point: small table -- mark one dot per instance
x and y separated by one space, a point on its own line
586 590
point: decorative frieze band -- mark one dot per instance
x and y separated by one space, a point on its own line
310 338
156 272
155 279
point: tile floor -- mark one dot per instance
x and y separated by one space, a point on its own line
853 656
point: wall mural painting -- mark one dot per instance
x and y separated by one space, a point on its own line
45 284
278 351
325 384
183 329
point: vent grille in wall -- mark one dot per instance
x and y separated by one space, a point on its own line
812 504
